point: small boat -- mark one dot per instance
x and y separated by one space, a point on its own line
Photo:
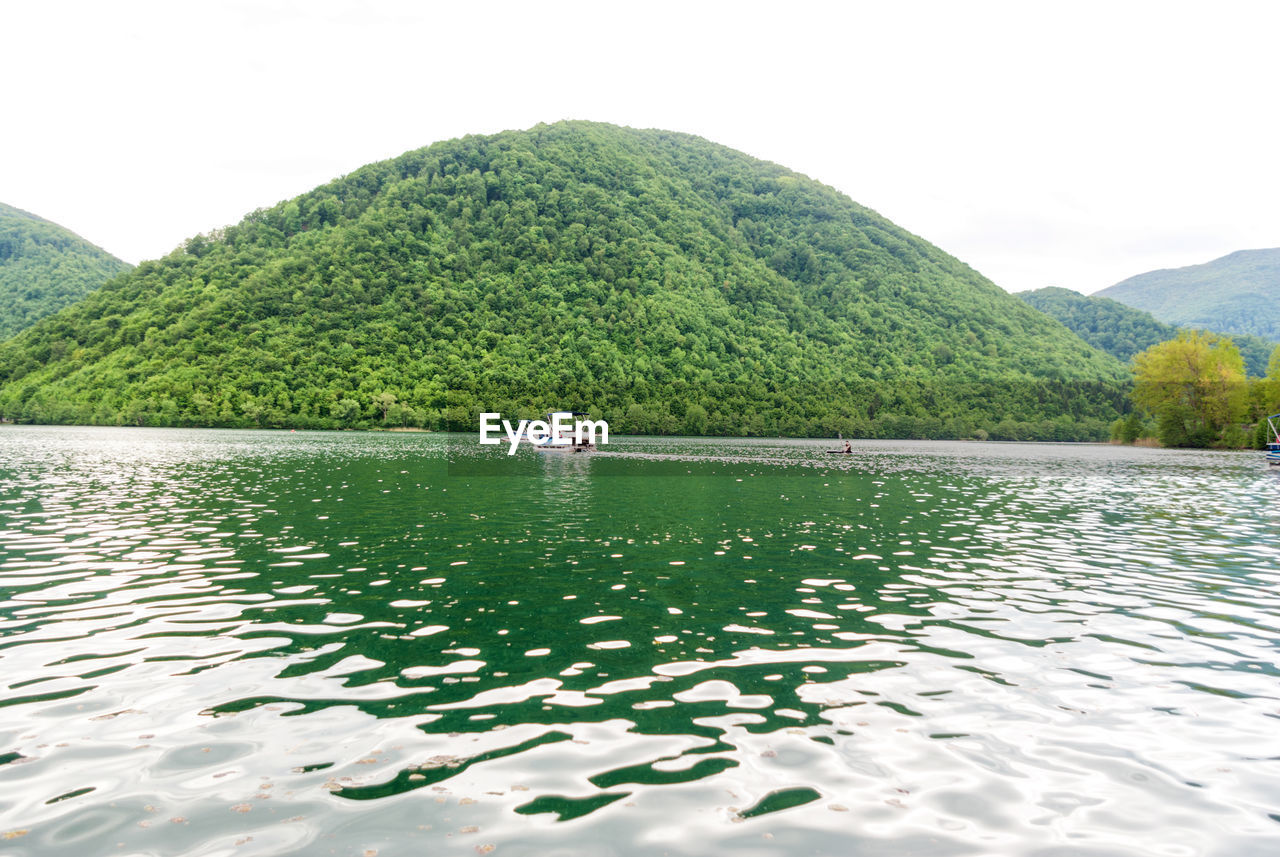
563 442
1273 446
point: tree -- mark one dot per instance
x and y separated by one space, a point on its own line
1271 384
384 401
1195 386
695 419
344 410
1128 428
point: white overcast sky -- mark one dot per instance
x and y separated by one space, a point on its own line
1044 143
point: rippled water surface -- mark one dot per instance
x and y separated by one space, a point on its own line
261 643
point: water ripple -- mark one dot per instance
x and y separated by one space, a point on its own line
271 643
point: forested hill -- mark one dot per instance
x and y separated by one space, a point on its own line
44 267
1233 294
659 280
1123 331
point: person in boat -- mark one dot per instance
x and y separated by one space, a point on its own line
847 447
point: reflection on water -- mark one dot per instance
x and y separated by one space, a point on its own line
276 643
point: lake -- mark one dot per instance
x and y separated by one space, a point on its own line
273 643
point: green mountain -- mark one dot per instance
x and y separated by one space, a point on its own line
1234 294
656 279
44 267
1123 331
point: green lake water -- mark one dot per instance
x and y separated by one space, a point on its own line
273 643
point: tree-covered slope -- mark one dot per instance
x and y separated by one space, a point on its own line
659 280
1123 331
44 267
1234 294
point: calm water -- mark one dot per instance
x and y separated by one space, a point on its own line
259 643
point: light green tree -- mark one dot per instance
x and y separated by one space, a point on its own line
384 401
1194 385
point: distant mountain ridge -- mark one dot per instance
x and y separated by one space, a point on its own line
1123 331
1238 293
45 267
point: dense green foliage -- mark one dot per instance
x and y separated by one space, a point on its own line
1195 386
1109 325
1265 401
1255 351
1192 391
43 268
1123 331
1235 294
658 280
